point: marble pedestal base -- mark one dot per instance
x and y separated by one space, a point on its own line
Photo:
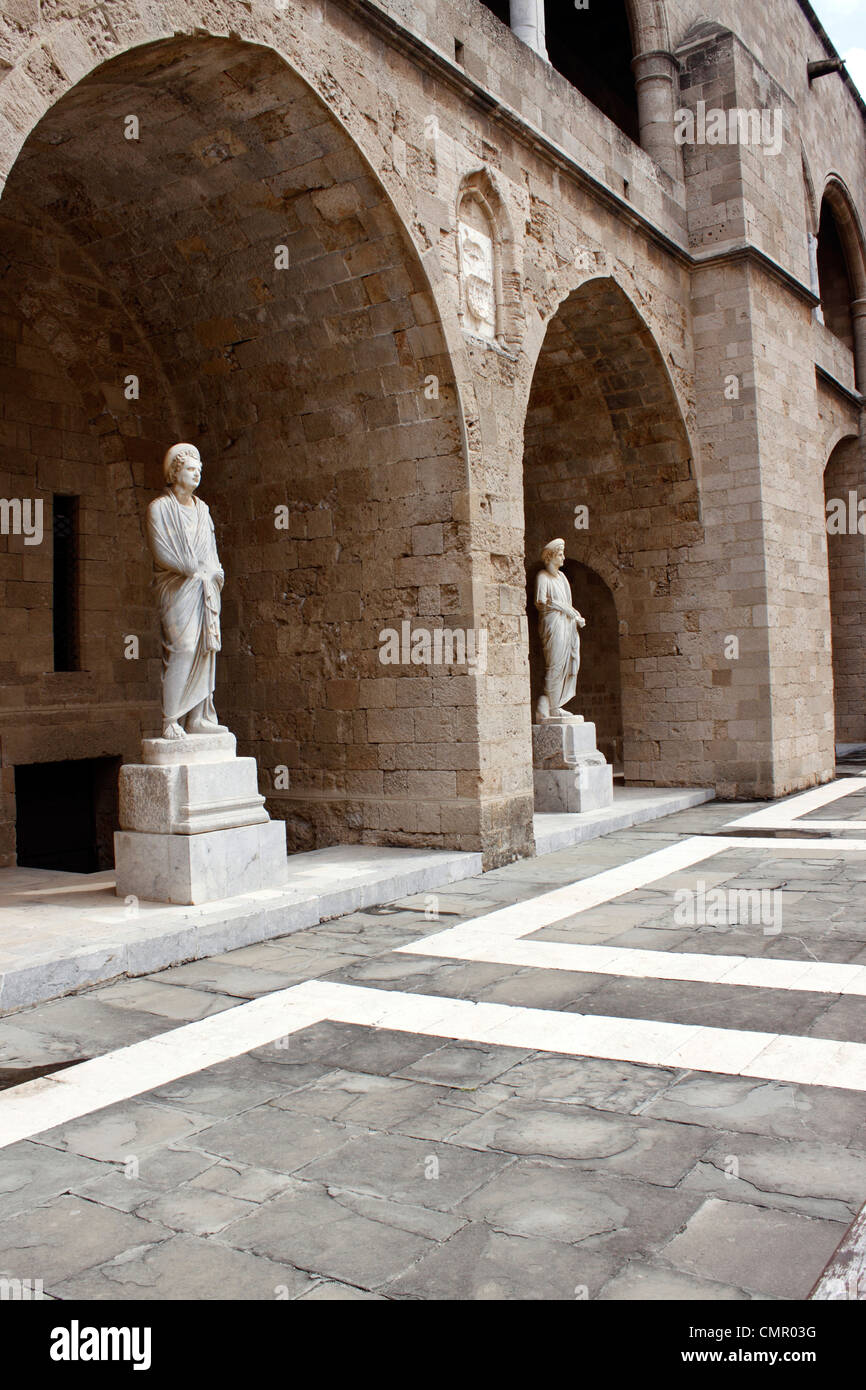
569 773
190 869
194 826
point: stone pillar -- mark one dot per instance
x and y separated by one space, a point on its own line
858 313
527 22
814 277
655 75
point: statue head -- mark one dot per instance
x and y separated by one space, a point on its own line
179 458
554 550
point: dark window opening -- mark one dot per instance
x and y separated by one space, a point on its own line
66 814
501 8
834 278
593 49
65 583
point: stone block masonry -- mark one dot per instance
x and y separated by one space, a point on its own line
269 264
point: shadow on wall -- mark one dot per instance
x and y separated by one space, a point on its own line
599 694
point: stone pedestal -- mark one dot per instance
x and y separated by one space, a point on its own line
569 772
193 824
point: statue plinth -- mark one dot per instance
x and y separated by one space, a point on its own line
570 774
194 827
192 748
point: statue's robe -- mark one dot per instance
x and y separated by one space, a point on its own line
183 544
560 638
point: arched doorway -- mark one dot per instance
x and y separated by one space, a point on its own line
199 251
607 466
845 495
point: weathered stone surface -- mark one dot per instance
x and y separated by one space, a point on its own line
68 1235
31 1173
659 1154
187 1268
657 1283
319 1233
763 1107
271 1138
118 1131
482 1264
728 1241
559 1202
464 1064
405 1170
190 798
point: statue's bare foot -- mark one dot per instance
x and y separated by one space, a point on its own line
203 726
173 731
542 710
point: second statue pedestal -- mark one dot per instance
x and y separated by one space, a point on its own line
570 774
194 826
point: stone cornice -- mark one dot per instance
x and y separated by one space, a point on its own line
746 251
852 397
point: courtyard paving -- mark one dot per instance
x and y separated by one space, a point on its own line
406 1107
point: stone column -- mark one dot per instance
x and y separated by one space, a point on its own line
527 22
655 75
858 313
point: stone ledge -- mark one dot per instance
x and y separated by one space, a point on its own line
631 806
64 932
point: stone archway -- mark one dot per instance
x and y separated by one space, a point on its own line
845 497
604 433
230 251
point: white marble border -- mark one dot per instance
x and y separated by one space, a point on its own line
37 1106
497 938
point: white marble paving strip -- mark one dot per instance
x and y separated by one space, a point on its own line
805 976
789 812
733 1052
521 918
805 846
40 1105
496 937
822 826
79 1090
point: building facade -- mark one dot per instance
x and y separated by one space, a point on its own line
430 282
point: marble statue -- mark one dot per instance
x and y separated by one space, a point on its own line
188 580
560 624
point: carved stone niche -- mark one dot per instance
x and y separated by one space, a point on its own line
491 306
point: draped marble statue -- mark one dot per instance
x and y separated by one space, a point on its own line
559 623
188 579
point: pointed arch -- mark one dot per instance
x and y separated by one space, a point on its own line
604 431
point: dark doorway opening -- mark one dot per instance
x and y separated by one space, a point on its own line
67 814
592 48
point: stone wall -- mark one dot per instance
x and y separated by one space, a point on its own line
654 336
